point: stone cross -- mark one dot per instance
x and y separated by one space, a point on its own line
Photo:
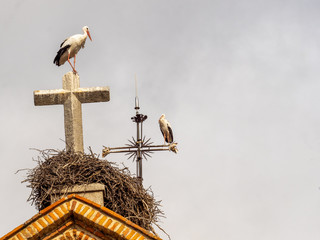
72 96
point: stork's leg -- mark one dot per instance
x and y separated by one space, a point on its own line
74 70
74 61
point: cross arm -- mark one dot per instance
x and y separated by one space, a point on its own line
94 94
134 148
49 97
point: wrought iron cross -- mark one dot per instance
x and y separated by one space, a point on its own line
140 147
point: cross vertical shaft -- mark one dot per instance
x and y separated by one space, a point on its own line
139 157
72 114
139 119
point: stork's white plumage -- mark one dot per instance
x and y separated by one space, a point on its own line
70 47
166 129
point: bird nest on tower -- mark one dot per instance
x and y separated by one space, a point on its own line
124 194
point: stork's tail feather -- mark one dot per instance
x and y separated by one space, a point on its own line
59 54
169 140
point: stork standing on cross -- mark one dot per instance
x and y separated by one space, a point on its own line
70 47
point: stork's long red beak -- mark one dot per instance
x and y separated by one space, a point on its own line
89 35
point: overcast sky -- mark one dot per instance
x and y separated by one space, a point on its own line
238 80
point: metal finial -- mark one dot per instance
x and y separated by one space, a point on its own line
137 104
137 107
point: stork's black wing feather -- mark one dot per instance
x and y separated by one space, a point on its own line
171 134
59 54
63 42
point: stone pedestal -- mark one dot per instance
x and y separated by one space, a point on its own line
93 192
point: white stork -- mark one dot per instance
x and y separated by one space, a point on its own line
70 47
166 129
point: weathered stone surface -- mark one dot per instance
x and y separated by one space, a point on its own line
72 96
93 192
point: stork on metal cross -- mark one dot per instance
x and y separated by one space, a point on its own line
140 147
72 96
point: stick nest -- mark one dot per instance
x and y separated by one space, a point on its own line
124 194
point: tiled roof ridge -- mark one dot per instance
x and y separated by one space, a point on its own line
81 206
